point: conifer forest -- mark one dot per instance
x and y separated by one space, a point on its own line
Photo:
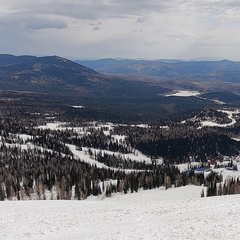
52 155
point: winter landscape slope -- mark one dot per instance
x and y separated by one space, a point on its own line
155 214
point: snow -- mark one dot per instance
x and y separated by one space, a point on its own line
108 127
186 166
212 100
99 125
230 116
227 174
84 157
52 126
80 107
236 139
141 125
119 138
62 126
49 118
214 124
218 102
27 146
136 156
155 214
184 93
24 137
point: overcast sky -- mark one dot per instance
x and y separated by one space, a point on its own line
149 29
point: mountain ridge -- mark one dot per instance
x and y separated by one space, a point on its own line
169 68
105 94
45 73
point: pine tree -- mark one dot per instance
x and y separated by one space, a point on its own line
2 193
220 190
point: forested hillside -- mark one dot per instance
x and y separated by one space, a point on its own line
42 158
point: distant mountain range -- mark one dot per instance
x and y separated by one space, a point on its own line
124 88
172 69
58 75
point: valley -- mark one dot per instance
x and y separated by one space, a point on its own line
113 96
118 142
119 120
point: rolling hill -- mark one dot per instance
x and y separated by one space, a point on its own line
47 74
223 70
111 96
58 75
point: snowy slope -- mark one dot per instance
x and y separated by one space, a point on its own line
173 214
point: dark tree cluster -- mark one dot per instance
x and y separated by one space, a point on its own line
98 140
33 171
51 142
178 143
179 150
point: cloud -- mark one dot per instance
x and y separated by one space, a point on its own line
140 20
92 10
96 28
150 43
137 30
47 23
141 29
89 9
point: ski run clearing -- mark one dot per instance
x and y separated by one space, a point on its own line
177 213
230 116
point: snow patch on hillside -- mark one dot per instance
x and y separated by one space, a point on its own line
183 93
78 107
53 126
218 102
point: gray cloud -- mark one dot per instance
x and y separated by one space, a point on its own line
47 23
88 9
150 43
140 20
96 28
137 30
93 10
130 28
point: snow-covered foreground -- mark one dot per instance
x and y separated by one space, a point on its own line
157 214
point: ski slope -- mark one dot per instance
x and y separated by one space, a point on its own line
154 214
